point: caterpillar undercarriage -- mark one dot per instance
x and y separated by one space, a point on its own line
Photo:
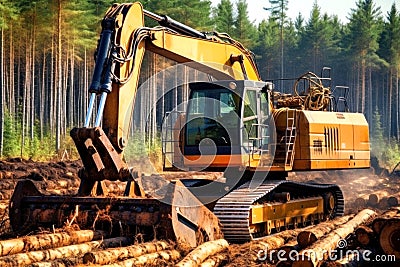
233 122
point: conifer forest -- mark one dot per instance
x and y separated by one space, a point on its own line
47 58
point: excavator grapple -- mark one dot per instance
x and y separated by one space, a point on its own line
233 123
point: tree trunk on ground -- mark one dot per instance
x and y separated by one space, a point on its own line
255 250
310 236
332 240
24 259
117 254
374 198
46 241
152 259
216 260
199 254
364 235
379 222
389 237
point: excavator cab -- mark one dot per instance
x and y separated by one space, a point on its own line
227 124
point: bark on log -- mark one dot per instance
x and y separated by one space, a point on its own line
24 259
360 202
364 235
57 263
379 222
216 260
351 260
310 236
282 255
255 250
46 241
116 254
318 251
152 259
49 264
199 254
389 238
6 175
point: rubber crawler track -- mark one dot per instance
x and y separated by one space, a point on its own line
233 210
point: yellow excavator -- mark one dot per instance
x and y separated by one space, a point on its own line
233 122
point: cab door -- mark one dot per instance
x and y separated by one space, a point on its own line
256 128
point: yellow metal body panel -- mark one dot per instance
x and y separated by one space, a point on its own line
198 161
294 208
210 56
331 140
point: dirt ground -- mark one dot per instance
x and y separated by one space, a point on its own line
61 178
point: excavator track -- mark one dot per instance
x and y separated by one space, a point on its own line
234 210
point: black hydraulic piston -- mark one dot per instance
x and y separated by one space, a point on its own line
103 52
174 25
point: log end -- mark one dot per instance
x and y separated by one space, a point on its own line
390 238
306 238
89 258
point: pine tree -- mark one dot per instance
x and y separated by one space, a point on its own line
223 17
364 30
278 12
8 13
389 49
245 31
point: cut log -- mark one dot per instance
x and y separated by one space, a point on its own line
199 254
24 259
310 236
46 241
116 254
57 263
317 252
152 259
360 203
258 250
374 198
364 235
352 259
393 201
216 260
379 222
49 264
389 238
383 203
281 256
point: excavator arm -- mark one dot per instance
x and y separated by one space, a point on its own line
124 40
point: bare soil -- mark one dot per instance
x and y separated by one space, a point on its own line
62 178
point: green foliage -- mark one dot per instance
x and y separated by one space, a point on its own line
223 17
194 13
364 29
386 151
8 13
376 135
139 150
36 148
244 30
11 146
